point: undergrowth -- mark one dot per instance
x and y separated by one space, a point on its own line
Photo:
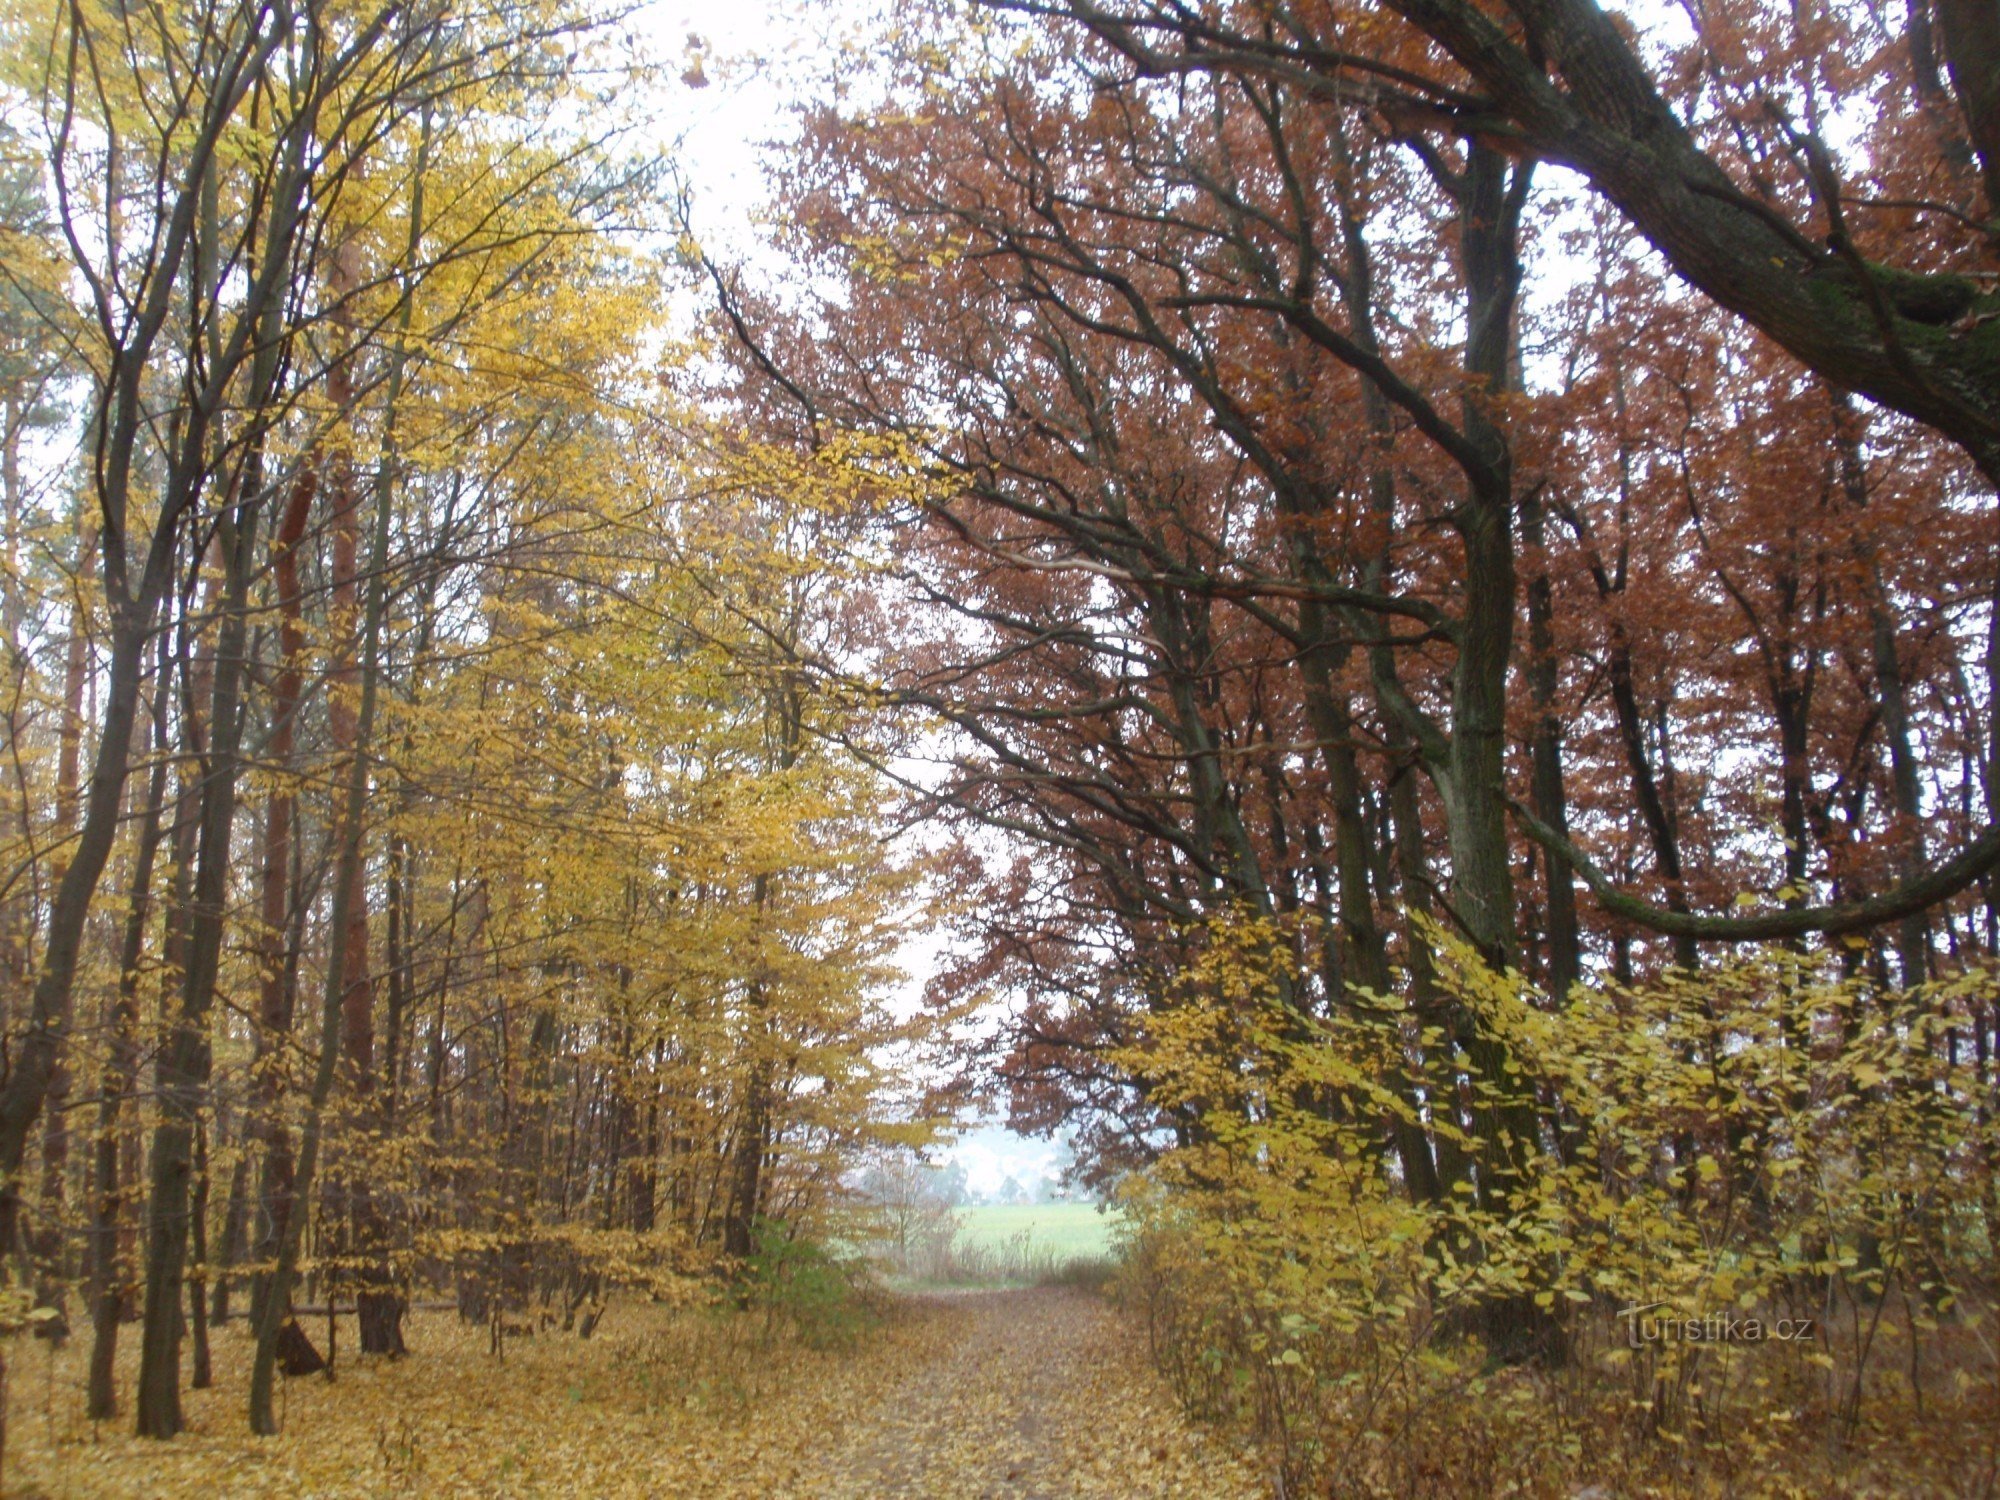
822 1297
1720 1157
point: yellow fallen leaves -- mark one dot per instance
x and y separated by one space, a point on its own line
1005 1393
1029 1393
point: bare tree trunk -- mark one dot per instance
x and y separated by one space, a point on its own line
119 419
26 1086
235 1228
380 1309
351 1188
343 499
1913 934
753 1125
107 1269
15 907
1662 827
53 1205
753 1116
276 960
203 1373
1550 799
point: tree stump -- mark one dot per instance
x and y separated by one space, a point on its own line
296 1354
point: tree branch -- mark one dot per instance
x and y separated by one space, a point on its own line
1907 899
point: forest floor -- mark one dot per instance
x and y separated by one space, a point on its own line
1041 1392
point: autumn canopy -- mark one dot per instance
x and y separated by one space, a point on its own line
1383 614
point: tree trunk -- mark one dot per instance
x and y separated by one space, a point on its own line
107 1290
187 1057
277 956
1891 695
753 1117
197 1280
184 1065
235 1232
1505 1121
263 1418
753 1124
1551 803
26 1086
52 1267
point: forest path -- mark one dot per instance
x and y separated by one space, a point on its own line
1043 1393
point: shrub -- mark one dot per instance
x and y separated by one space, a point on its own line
1758 1141
817 1293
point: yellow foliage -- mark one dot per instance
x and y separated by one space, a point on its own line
1756 1141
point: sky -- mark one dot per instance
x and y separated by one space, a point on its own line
757 56
993 1153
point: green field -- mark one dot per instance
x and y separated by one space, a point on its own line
1067 1231
1003 1245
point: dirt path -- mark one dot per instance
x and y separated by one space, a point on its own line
1002 1394
1040 1393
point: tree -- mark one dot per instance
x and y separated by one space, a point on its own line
1262 576
1875 313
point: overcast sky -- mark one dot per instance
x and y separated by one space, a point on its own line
758 57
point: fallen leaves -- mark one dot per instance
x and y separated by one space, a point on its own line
1044 1392
1041 1392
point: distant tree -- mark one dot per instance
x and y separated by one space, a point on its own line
950 1184
911 1196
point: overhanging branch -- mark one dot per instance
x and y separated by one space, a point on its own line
1904 900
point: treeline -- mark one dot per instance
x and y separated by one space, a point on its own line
425 864
1444 526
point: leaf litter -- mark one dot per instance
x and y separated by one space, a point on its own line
1031 1393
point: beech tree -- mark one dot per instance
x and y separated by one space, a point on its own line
1784 240
1276 555
1405 592
361 271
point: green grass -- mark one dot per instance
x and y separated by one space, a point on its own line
1068 1231
1068 1244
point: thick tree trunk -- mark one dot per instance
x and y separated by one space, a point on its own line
1972 58
1505 1122
184 1065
